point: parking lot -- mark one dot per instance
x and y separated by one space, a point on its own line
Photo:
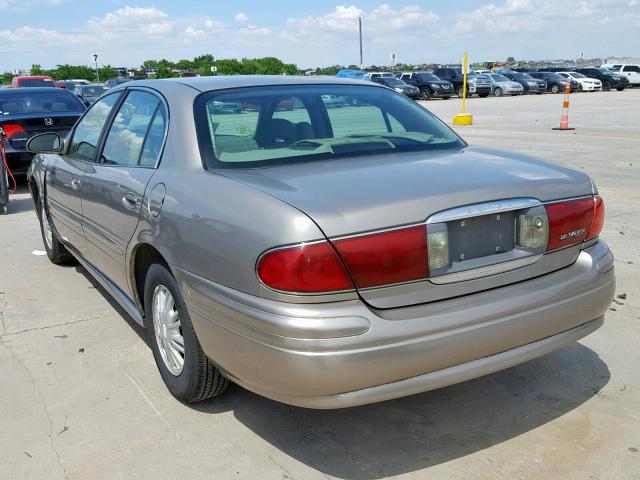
81 396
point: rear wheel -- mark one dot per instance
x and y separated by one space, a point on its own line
56 251
620 89
580 88
184 367
497 92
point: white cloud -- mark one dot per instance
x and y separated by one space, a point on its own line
381 19
533 15
241 18
144 20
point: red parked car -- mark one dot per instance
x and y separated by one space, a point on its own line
32 81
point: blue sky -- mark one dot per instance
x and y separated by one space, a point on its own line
312 33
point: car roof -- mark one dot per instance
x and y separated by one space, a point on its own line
205 84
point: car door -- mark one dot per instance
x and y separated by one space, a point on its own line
632 72
409 78
65 172
112 193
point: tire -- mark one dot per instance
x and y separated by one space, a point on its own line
56 251
459 92
197 379
497 92
425 94
446 98
619 89
555 88
483 95
606 86
580 88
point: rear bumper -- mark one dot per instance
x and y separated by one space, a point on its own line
344 354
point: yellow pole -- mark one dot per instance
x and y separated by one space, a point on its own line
464 118
464 84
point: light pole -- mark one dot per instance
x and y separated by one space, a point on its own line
360 37
95 59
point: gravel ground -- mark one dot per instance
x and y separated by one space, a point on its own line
81 397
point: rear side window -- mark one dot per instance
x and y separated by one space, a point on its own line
261 126
87 133
135 119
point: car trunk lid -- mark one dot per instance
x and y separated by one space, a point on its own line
19 128
359 195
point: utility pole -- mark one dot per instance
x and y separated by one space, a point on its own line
360 36
95 59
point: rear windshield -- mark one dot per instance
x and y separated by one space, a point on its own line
55 101
93 91
260 126
36 82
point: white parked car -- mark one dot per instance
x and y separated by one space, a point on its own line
631 71
586 84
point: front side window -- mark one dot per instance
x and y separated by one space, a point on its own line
126 138
87 134
298 123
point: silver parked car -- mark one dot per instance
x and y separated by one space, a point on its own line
322 257
501 85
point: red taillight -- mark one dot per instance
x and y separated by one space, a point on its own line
598 217
12 128
305 268
385 258
574 221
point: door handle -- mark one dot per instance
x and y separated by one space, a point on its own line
75 183
130 201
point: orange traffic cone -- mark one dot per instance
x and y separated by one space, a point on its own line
564 117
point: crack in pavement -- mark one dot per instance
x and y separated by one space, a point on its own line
45 327
45 409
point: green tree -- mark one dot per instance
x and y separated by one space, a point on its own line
107 72
511 60
164 72
36 69
185 65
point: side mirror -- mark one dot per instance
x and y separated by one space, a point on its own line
49 142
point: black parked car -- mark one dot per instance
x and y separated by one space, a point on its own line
429 85
480 85
555 83
25 112
89 93
608 78
399 86
530 84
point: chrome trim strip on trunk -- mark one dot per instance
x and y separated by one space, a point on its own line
486 208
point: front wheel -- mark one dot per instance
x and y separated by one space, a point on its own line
555 88
606 86
56 251
184 367
425 94
460 92
497 92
